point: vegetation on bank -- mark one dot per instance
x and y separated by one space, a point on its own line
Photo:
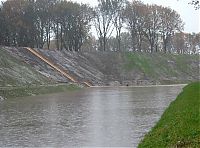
179 125
158 66
16 68
36 90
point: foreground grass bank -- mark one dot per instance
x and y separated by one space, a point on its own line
36 90
179 126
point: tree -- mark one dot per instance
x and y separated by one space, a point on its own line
193 42
19 19
3 28
134 15
152 24
125 41
71 24
103 21
170 23
43 22
90 44
118 7
178 42
36 22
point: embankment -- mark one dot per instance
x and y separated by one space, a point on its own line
179 125
19 78
98 68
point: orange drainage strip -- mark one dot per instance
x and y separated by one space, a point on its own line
54 66
87 84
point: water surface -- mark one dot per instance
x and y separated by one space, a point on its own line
88 117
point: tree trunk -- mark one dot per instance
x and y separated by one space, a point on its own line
61 37
104 43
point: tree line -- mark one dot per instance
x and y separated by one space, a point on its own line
34 23
67 25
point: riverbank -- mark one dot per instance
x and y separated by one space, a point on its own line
18 66
14 92
140 86
179 125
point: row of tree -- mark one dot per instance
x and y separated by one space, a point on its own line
36 23
147 24
186 43
181 43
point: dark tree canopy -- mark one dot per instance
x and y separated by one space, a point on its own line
36 22
120 25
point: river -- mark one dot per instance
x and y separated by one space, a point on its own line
88 117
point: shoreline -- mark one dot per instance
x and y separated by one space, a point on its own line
178 125
14 92
140 86
33 90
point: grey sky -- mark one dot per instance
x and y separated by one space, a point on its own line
190 16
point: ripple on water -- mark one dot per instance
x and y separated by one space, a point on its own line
89 117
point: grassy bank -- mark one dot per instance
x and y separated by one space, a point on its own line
36 90
167 68
179 126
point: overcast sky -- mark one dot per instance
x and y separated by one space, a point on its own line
190 16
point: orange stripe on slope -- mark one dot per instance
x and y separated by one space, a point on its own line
55 67
87 84
52 65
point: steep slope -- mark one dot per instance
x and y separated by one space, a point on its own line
113 68
56 67
24 56
137 68
76 64
15 72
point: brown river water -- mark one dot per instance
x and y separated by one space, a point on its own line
90 117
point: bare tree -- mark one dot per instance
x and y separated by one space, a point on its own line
179 43
152 25
71 25
118 7
170 23
103 21
135 15
43 11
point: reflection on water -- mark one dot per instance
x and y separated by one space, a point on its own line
89 117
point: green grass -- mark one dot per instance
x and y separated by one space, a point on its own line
159 65
138 61
179 126
36 90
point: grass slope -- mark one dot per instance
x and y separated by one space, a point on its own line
163 66
179 126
